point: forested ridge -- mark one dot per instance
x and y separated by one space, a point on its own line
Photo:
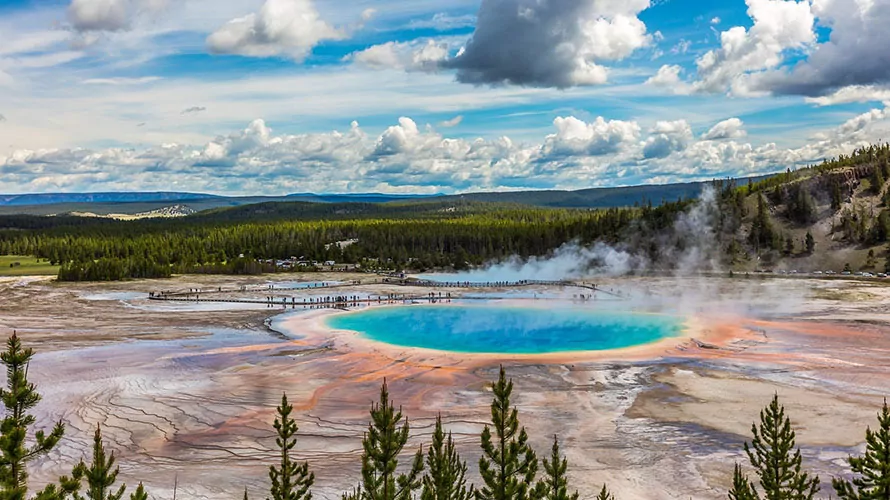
231 241
509 467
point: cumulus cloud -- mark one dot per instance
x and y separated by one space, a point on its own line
727 129
859 123
193 109
549 44
779 26
453 122
406 56
411 158
668 76
289 28
575 137
854 55
109 15
666 138
853 93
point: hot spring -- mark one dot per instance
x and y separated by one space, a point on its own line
507 329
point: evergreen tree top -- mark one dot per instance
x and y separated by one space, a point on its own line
555 469
776 459
508 465
871 470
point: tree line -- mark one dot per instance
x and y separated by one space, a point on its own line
149 249
509 467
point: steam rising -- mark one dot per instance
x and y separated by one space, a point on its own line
691 245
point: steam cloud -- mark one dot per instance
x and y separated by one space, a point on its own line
692 245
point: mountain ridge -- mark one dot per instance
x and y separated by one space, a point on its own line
137 201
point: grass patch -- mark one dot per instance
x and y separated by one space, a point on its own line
842 295
27 266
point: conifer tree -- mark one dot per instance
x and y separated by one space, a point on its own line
776 460
555 481
140 493
810 243
290 480
508 464
836 197
101 473
741 487
604 494
18 398
872 481
445 477
382 445
877 180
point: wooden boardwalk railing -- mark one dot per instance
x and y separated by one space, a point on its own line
195 294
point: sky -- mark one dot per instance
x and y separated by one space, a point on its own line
269 97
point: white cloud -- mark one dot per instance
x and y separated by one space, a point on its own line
44 60
288 28
855 54
110 15
6 79
779 26
549 44
32 42
853 93
668 76
442 21
405 56
575 137
667 137
122 80
99 15
715 20
453 122
727 129
409 158
859 123
682 47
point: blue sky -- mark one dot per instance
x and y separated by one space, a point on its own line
277 96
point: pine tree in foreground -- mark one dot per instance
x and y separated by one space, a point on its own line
873 468
290 480
140 493
382 445
741 487
445 472
604 494
18 398
556 483
508 464
776 460
101 473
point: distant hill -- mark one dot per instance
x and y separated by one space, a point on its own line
110 197
132 203
358 197
135 202
591 198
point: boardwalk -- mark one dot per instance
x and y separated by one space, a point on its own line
213 294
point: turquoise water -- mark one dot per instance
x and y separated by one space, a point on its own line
508 330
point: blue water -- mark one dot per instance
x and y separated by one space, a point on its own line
508 330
